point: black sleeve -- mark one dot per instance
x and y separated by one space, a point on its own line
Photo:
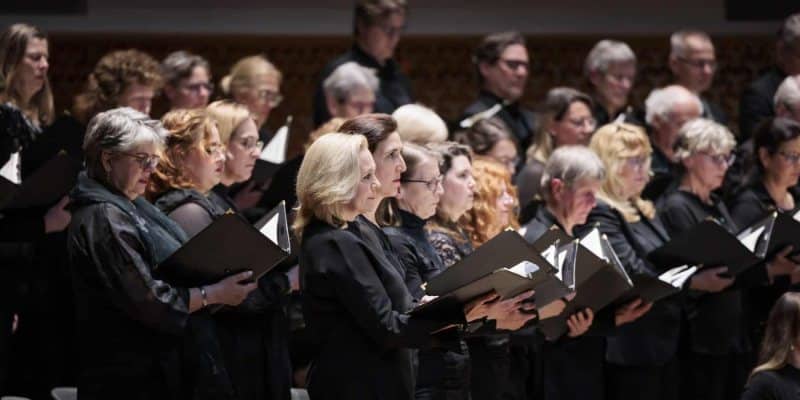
762 386
754 107
191 217
413 265
746 210
112 244
348 270
609 222
677 218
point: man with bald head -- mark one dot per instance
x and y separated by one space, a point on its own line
666 110
693 62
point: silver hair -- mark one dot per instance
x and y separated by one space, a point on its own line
660 102
678 45
703 134
119 130
347 78
605 53
788 92
179 65
571 164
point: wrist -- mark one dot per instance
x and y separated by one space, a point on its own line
204 296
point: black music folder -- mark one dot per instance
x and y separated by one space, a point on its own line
599 279
263 172
227 246
506 264
780 230
44 187
709 244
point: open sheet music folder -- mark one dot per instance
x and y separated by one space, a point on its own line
708 244
44 187
227 246
506 264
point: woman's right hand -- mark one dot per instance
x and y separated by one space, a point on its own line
710 280
57 218
232 290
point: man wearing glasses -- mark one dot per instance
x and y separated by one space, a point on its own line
377 27
693 63
502 65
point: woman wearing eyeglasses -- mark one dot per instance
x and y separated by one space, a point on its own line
719 347
187 80
771 186
256 83
131 326
566 120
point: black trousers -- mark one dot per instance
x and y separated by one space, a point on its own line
625 382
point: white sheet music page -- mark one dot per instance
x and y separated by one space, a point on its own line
524 269
270 229
10 171
677 276
275 150
592 243
750 237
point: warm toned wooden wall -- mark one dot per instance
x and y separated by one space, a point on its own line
439 66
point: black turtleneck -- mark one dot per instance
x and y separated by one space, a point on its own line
419 258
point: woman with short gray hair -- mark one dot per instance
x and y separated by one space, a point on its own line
187 80
132 326
350 90
611 69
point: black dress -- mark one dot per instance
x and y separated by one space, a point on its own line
442 373
719 352
556 366
748 207
393 92
253 335
781 384
355 305
521 121
131 325
641 356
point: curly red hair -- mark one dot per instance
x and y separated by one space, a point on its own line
481 222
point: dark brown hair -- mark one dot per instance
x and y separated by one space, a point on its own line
375 127
492 46
483 135
782 334
369 12
13 44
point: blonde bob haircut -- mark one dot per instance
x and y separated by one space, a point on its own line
229 116
328 179
702 134
419 124
246 73
614 143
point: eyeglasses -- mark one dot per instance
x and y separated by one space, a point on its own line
580 123
699 64
432 184
637 162
793 158
720 159
392 31
145 161
215 149
251 143
515 64
197 87
274 98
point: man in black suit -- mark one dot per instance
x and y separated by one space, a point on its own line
377 28
693 63
757 100
502 64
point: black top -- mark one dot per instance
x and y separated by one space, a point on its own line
355 305
713 111
757 103
665 177
219 196
66 134
754 203
189 208
130 324
652 339
782 384
415 252
717 324
521 121
451 249
631 115
394 90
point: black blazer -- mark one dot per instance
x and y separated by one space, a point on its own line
354 303
521 121
717 323
651 340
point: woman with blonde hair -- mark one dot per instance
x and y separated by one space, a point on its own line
777 376
239 134
355 300
256 83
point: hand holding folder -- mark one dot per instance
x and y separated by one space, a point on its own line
44 188
228 246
